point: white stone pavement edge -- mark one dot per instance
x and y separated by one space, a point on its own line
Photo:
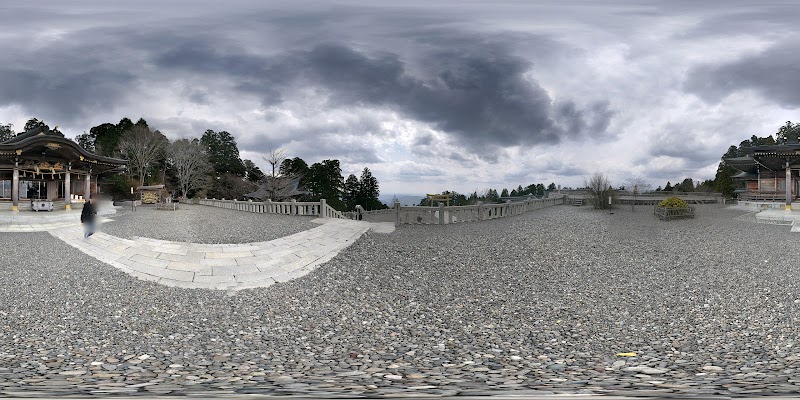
230 267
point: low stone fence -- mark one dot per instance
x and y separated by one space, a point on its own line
315 208
652 198
400 215
442 214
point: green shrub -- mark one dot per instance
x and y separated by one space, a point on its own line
673 202
119 186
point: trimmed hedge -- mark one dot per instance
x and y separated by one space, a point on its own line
673 202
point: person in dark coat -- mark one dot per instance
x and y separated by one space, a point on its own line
87 218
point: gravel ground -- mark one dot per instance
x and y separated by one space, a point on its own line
204 224
539 303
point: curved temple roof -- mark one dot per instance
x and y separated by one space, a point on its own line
770 158
41 142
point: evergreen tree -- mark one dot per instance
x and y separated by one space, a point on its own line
223 153
324 181
85 141
351 192
6 132
723 183
369 190
252 172
686 186
104 138
296 168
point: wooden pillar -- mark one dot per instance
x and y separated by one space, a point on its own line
68 189
758 174
87 188
788 188
15 188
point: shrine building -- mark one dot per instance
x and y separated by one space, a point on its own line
42 167
768 175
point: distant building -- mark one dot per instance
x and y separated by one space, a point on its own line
41 164
277 188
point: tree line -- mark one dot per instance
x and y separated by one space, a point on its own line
688 185
492 196
211 166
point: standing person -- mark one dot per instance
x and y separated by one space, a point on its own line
87 218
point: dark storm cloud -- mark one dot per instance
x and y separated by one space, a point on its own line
472 86
774 73
62 96
64 81
479 95
591 121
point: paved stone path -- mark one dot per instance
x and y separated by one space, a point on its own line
222 266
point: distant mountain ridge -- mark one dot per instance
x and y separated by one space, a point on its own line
405 199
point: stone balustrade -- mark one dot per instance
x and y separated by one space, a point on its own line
314 208
400 215
459 214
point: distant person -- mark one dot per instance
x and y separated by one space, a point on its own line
87 218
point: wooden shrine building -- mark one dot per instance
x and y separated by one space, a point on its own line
769 174
41 164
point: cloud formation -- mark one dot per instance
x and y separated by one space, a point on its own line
773 73
480 95
430 95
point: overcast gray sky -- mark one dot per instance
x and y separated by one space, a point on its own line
430 95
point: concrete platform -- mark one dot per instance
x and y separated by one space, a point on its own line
42 221
230 267
778 215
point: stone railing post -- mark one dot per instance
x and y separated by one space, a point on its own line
294 209
269 206
441 214
323 210
480 211
396 213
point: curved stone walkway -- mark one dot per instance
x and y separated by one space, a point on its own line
222 266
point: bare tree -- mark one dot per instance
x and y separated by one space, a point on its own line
142 146
636 185
280 188
275 158
600 189
190 162
277 186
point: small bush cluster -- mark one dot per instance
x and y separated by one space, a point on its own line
599 187
673 202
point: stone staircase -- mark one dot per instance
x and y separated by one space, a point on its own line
577 202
